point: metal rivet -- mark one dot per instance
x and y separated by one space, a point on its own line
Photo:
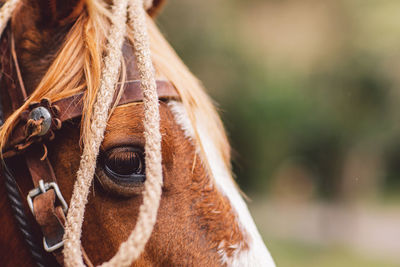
39 113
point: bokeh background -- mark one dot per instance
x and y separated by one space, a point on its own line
309 92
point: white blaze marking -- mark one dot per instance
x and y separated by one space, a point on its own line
257 254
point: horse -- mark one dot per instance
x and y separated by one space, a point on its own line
55 48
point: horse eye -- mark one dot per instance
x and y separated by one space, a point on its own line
124 165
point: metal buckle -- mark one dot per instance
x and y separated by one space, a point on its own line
43 188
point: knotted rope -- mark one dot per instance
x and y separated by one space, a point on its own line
134 245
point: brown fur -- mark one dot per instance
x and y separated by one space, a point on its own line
194 217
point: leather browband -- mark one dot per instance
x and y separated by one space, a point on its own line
71 108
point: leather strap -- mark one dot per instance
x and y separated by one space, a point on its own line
49 217
71 108
39 169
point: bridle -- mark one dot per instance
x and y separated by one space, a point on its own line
36 127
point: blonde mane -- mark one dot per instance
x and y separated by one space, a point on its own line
77 67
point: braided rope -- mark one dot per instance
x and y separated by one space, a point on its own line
134 245
6 12
35 247
85 174
131 249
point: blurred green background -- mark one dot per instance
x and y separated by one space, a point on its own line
308 91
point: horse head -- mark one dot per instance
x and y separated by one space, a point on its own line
202 220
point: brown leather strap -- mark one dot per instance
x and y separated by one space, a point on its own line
52 221
48 219
71 108
39 169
